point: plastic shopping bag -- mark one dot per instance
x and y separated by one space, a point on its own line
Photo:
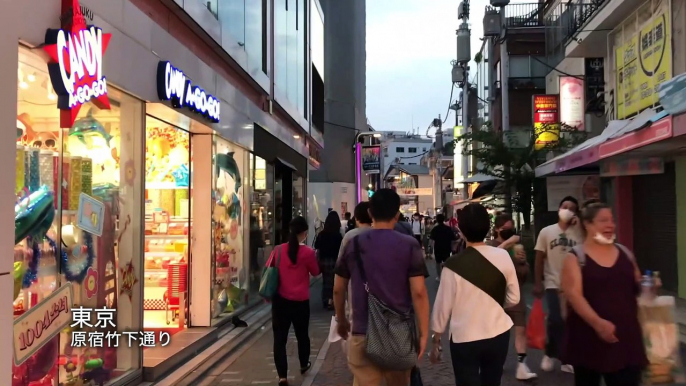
334 337
535 328
661 339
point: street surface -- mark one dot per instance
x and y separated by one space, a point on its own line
255 366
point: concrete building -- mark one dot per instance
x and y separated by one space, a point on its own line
333 185
402 148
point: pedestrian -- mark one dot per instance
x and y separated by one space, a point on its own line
403 226
417 227
442 237
363 223
600 280
506 238
349 222
327 245
475 286
393 271
291 305
553 244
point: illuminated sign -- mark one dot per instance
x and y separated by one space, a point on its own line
546 110
173 85
76 53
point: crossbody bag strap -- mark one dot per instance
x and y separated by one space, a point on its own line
358 260
475 268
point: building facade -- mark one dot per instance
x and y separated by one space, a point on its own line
623 55
402 148
161 150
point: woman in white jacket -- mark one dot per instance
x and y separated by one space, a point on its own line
476 285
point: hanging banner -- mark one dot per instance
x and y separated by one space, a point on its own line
371 159
643 61
572 109
595 85
546 111
414 191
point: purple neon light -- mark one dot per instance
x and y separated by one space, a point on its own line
358 166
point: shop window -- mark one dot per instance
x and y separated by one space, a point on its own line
167 227
231 268
78 208
262 219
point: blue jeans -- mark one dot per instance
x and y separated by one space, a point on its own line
555 324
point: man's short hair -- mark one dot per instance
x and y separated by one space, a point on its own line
474 222
362 213
440 218
569 199
384 205
347 215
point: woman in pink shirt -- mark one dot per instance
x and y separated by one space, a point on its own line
291 305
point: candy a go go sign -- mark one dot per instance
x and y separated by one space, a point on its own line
76 52
41 323
173 85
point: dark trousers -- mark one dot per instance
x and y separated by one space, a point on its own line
480 363
555 323
419 239
284 313
327 265
630 376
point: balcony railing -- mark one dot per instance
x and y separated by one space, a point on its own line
524 15
563 23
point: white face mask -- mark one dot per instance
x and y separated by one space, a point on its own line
565 214
601 239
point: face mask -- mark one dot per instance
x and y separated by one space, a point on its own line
601 239
505 234
565 214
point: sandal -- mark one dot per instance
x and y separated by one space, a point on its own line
305 369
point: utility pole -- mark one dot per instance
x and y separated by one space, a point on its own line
464 55
504 74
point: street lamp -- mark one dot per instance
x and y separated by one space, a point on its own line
358 160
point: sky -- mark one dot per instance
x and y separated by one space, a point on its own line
410 44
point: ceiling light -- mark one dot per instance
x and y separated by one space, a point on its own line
23 85
296 136
31 77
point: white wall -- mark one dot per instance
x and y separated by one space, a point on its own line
325 195
388 148
571 66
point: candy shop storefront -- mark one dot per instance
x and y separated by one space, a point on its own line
129 198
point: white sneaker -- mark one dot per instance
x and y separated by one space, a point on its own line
524 373
547 364
567 369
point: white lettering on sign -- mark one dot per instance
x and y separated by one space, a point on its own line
173 85
41 323
83 52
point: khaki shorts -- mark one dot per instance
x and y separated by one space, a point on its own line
365 372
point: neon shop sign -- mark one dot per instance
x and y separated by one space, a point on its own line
173 85
76 53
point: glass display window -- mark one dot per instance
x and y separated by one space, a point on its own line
76 237
262 224
230 224
167 227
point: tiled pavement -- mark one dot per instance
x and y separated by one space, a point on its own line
255 366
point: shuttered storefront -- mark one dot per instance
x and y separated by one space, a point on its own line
654 207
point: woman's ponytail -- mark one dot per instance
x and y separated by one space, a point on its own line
297 226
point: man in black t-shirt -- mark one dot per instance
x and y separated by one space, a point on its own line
443 238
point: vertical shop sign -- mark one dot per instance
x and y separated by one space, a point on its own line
76 52
371 159
546 111
572 111
41 323
595 85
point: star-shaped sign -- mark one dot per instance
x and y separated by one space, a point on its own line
76 74
128 279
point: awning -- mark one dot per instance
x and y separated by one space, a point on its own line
672 94
284 163
614 134
479 177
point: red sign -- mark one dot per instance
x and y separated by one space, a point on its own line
658 131
76 52
546 119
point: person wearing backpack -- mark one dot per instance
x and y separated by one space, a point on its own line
390 304
291 305
600 283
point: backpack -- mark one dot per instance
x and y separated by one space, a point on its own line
578 251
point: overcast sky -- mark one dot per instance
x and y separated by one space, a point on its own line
410 44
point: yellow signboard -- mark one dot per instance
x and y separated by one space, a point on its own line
643 61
